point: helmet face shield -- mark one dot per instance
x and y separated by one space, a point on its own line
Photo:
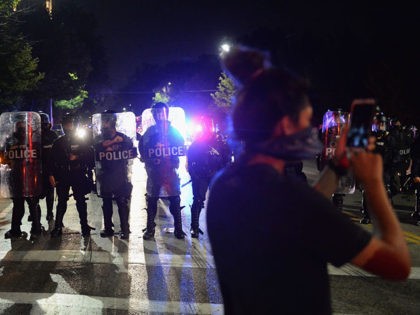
109 122
160 114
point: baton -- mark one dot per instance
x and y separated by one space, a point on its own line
183 185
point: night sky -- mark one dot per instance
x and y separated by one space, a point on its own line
150 31
162 31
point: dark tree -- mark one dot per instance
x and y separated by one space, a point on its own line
70 54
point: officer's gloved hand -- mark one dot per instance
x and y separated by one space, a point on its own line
52 181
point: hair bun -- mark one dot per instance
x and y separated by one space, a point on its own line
244 63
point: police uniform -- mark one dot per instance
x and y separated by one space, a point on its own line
22 153
382 148
47 139
70 162
415 172
205 157
160 148
332 127
400 155
112 155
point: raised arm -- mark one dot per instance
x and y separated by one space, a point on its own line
386 255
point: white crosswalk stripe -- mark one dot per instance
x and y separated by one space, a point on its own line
141 258
83 304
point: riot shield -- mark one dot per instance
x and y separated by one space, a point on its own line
20 147
333 124
113 136
176 117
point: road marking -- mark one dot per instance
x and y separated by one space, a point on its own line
350 270
102 257
351 214
62 303
164 260
409 236
413 238
5 211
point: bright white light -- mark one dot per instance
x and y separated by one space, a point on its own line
225 48
81 132
198 128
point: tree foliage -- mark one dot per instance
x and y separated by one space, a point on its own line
18 68
74 103
224 95
161 97
69 53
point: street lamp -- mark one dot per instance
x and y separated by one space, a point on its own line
224 48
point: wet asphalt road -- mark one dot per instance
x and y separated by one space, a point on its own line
69 275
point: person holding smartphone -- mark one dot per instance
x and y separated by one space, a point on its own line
272 236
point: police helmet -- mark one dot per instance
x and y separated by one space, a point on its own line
395 121
110 116
67 118
159 106
20 122
382 118
21 116
45 119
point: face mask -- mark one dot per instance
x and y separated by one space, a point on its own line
303 145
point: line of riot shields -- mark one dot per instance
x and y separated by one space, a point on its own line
396 143
22 162
21 154
21 150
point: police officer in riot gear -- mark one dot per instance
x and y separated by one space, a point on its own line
47 139
70 162
22 155
380 131
380 145
400 150
332 126
205 156
160 148
415 173
113 150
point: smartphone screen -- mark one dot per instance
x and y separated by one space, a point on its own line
360 125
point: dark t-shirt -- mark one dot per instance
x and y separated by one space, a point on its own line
272 238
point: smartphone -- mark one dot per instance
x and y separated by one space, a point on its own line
361 120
